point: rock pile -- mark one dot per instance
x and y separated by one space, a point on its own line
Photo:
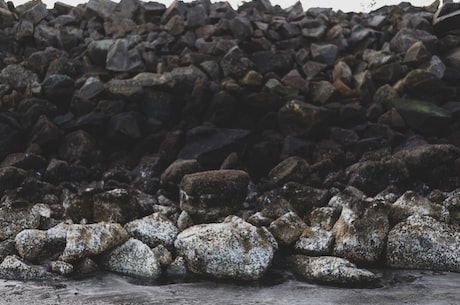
154 141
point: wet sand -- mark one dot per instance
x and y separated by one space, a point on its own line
400 287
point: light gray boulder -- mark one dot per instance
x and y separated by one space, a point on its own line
422 242
330 270
232 249
13 268
153 230
133 258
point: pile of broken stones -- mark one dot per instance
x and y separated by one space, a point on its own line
157 142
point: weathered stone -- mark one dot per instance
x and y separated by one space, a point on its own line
12 268
30 243
125 126
79 145
405 38
6 18
330 270
153 230
233 249
61 268
92 239
57 85
211 195
178 169
163 255
417 53
298 118
322 92
423 117
117 205
18 77
133 258
36 13
325 54
422 242
120 58
411 203
290 169
315 241
279 62
102 8
287 228
303 197
235 63
97 51
361 231
241 27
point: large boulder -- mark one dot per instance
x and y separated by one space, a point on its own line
233 249
13 268
422 242
133 258
212 195
93 239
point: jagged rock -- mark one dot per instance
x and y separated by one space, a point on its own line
18 77
241 27
235 63
14 219
211 195
421 242
92 239
153 230
361 230
298 118
290 169
184 221
405 38
57 85
120 58
36 13
12 268
163 255
417 53
303 197
133 258
6 18
79 145
322 92
315 241
287 228
102 8
411 203
330 270
117 205
326 54
125 126
233 249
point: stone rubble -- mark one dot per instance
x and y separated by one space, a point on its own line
159 142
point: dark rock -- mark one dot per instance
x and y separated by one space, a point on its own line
417 53
6 17
196 16
405 38
298 118
178 169
125 126
241 27
36 13
56 171
13 268
291 169
209 145
423 117
18 77
120 58
304 198
209 196
287 228
235 63
97 51
24 161
57 85
10 135
410 204
322 92
117 205
79 146
326 54
101 8
279 62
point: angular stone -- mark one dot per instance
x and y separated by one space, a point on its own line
117 205
122 59
36 13
280 62
322 92
241 27
18 77
12 268
287 228
316 32
185 77
422 242
233 249
417 53
153 230
315 241
125 126
411 203
406 37
330 270
79 146
6 18
211 195
57 85
325 54
133 258
97 51
235 63
435 66
303 197
374 176
102 8
196 16
298 118
178 169
361 231
423 117
92 239
290 169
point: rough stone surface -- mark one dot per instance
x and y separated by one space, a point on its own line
12 268
233 249
153 230
421 242
92 239
330 270
287 228
133 258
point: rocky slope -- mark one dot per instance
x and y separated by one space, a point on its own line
158 141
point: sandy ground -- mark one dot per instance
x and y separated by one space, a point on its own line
401 287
